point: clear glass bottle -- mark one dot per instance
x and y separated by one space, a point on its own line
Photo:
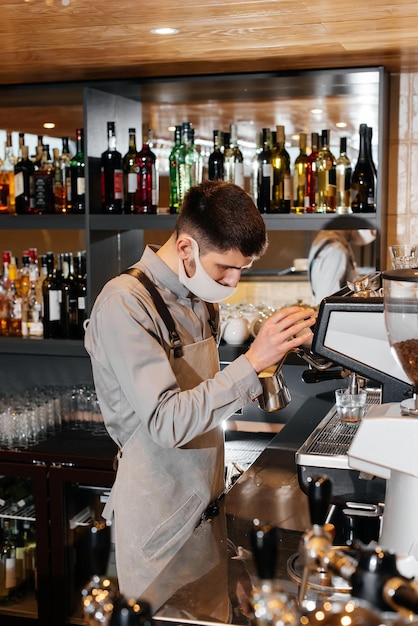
255 166
62 179
130 174
7 187
216 160
76 201
197 161
147 190
311 197
14 302
4 285
234 160
343 173
325 164
112 174
363 187
299 176
265 173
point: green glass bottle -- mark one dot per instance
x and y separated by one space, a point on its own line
174 170
282 181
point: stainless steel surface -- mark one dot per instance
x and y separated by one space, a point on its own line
327 446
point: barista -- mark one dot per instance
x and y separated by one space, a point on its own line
161 393
331 261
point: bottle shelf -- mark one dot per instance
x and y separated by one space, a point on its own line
25 513
122 222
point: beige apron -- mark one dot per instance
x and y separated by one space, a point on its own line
160 494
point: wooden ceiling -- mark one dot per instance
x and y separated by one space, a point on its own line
44 41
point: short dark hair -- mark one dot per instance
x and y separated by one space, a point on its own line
222 216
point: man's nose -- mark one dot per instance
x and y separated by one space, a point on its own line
231 279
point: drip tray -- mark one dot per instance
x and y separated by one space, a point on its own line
325 453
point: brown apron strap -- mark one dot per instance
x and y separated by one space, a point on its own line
161 307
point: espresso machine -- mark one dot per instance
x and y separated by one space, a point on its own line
373 464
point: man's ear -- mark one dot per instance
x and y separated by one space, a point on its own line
184 247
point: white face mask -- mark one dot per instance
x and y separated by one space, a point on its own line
201 284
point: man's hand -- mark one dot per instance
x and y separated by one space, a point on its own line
285 330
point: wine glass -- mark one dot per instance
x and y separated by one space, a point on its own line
400 296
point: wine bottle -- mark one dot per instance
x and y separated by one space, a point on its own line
265 173
81 284
282 182
325 164
24 189
112 174
147 190
299 176
234 161
130 174
174 171
311 197
216 158
69 306
363 187
343 173
76 202
51 293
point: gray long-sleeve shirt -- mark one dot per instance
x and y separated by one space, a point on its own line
132 373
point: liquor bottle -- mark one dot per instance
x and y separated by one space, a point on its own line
4 286
76 199
14 302
299 176
255 166
69 304
35 328
112 174
23 287
147 191
363 188
227 152
7 187
197 162
282 181
62 179
325 164
234 161
43 273
51 294
343 173
216 158
185 171
311 197
24 186
130 174
174 170
81 284
43 182
265 173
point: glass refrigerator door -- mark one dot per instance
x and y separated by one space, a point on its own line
81 541
24 562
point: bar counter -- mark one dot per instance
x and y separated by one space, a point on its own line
210 579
